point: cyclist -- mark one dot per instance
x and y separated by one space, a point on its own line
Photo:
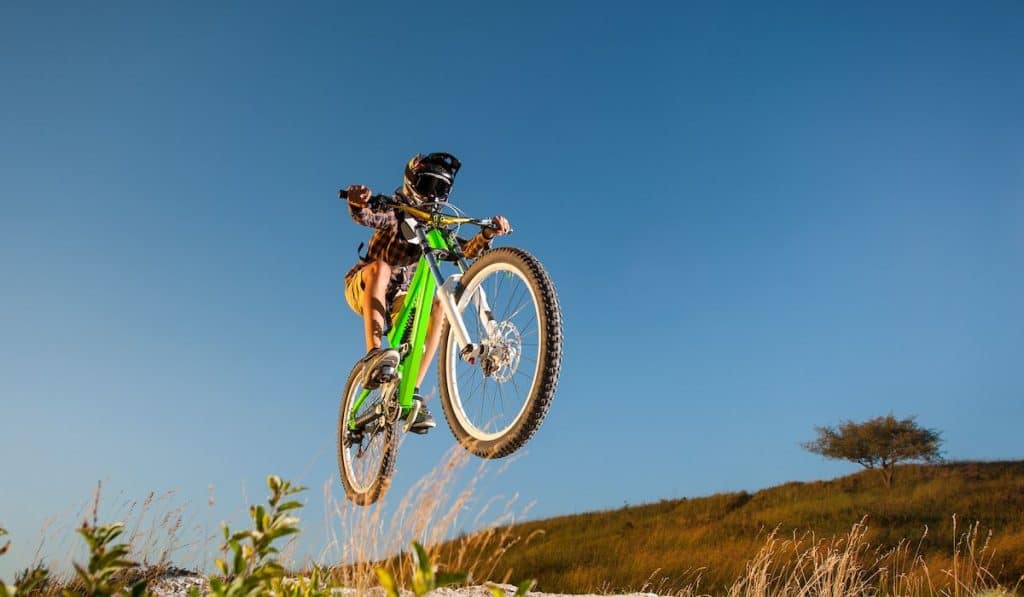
382 275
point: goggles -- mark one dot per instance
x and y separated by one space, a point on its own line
429 184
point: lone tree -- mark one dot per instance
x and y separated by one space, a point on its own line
880 443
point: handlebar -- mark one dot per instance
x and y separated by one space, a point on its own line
378 202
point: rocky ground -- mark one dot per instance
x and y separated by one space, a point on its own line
177 583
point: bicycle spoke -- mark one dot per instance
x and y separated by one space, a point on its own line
476 387
514 384
497 290
509 318
510 302
484 399
501 398
524 301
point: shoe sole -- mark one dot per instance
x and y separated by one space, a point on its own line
386 362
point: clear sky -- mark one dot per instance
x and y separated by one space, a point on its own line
759 219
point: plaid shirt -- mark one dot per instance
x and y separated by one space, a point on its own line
387 244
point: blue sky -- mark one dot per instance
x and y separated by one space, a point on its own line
758 220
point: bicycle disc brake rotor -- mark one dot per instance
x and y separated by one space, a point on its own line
504 349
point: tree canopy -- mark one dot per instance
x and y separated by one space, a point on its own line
878 443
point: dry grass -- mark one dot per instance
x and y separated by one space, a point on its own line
718 545
157 528
849 565
431 511
160 529
164 534
705 544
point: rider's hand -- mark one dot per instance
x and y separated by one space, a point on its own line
358 195
499 226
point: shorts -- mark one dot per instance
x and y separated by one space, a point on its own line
355 289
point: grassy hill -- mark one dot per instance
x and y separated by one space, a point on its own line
665 544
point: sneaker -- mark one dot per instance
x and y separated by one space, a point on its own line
424 420
378 365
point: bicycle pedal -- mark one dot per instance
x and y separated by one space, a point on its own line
383 375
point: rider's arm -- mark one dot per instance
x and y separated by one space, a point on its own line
472 247
482 241
364 215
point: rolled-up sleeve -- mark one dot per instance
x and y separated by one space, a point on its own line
474 246
364 216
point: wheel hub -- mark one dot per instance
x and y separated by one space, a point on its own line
504 349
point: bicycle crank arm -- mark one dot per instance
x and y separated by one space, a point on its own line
363 420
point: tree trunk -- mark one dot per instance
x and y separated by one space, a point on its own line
887 474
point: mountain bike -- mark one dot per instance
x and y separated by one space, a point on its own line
498 362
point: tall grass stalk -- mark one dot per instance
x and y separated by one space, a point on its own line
363 538
850 566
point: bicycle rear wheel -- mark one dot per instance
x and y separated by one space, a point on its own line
497 404
366 455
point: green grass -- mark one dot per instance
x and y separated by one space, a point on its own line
665 545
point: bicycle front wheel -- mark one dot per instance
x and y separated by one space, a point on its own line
496 405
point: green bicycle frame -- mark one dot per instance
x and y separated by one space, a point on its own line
420 297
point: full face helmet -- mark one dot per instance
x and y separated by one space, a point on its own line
429 177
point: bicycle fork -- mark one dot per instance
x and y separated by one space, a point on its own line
446 291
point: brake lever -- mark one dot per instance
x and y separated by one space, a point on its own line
489 223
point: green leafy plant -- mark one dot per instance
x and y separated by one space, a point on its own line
254 568
521 590
31 581
18 588
28 581
105 573
425 577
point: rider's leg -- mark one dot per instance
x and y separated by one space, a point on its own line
424 420
376 277
434 328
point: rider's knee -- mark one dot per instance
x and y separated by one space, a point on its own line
377 269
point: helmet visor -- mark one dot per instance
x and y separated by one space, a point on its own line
428 184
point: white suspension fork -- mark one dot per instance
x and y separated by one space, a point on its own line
479 300
446 294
